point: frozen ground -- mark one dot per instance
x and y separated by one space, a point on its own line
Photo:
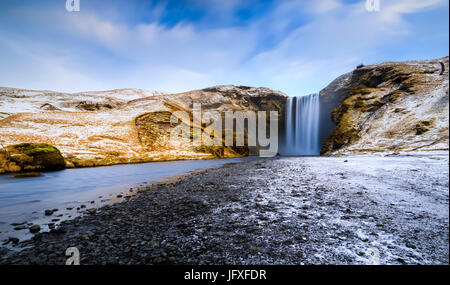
288 210
397 206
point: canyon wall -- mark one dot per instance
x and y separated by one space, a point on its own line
122 126
389 107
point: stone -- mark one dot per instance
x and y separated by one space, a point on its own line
13 240
39 156
35 229
92 211
20 227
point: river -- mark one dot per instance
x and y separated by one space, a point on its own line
24 200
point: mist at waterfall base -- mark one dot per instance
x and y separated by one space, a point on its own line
301 132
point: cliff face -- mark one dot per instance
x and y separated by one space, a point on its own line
121 126
392 106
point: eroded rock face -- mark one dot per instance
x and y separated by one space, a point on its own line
393 106
122 126
154 128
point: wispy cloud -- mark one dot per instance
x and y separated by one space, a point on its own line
293 46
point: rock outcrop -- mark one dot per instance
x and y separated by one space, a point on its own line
31 157
122 126
389 107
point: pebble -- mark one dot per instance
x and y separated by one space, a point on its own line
245 218
92 211
13 240
20 227
35 229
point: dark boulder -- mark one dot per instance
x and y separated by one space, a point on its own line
31 157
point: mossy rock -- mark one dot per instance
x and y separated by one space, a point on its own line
427 123
241 150
359 104
366 98
339 111
224 151
365 91
373 106
420 129
409 86
44 156
394 95
401 78
367 105
346 131
33 149
423 127
216 151
400 110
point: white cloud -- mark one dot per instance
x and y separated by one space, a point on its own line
303 57
411 6
393 10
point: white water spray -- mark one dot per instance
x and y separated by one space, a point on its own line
302 126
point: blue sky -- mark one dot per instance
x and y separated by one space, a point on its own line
297 47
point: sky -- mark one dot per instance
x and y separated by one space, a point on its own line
295 46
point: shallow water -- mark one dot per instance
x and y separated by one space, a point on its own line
25 199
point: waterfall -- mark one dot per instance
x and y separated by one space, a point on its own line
302 126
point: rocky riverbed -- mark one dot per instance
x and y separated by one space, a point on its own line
285 210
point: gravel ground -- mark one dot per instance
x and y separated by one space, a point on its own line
288 210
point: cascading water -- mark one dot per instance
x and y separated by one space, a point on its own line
302 126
